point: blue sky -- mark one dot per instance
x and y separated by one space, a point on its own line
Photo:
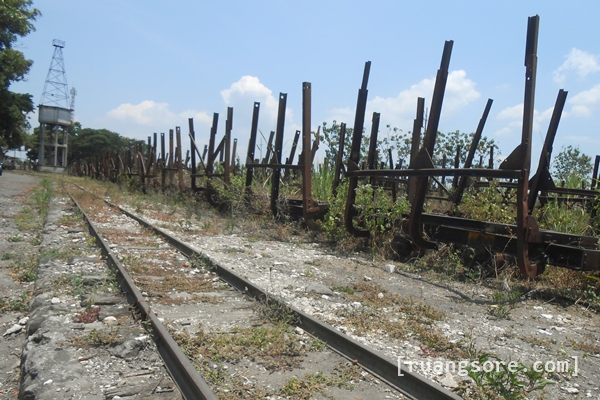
147 66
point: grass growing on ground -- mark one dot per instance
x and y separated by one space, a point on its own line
343 377
505 303
514 382
403 318
20 304
98 338
274 346
24 268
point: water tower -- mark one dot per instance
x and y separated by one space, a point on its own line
55 115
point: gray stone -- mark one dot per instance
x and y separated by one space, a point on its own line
13 329
132 390
391 268
39 301
319 289
114 311
449 381
127 349
92 280
75 260
102 300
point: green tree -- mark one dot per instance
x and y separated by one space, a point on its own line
331 139
394 140
16 20
85 143
447 143
572 166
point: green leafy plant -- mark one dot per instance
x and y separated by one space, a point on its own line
15 239
505 303
509 380
488 204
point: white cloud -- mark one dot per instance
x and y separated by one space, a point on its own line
514 119
151 113
578 61
342 115
582 139
584 102
513 112
248 90
400 111
241 95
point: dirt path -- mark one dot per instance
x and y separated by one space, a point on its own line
14 189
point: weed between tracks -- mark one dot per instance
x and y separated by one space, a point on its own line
397 317
87 316
79 284
274 347
98 338
344 375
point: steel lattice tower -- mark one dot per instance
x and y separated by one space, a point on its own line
56 90
54 115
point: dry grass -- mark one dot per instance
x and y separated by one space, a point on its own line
586 347
547 344
343 377
396 317
87 316
98 338
168 300
167 283
275 347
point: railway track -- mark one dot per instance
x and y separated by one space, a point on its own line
231 330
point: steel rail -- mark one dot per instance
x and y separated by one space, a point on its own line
188 380
409 383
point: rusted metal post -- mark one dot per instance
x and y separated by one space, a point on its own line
444 159
526 267
315 145
171 172
394 184
290 160
462 184
372 156
192 134
233 151
179 160
308 208
211 144
542 179
227 150
414 146
251 149
415 226
276 170
267 158
163 165
154 155
595 173
359 122
456 165
149 154
337 172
